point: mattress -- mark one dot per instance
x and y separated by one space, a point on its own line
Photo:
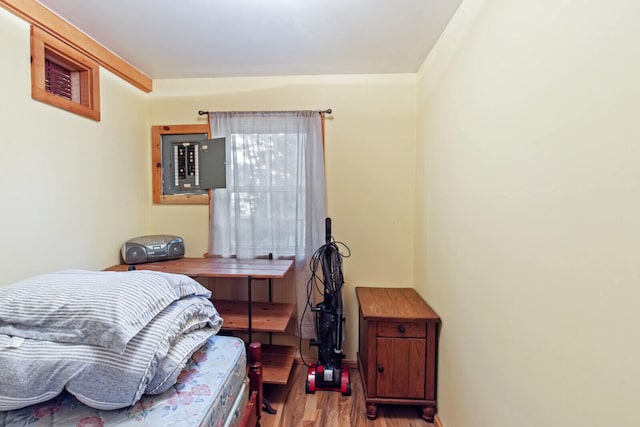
210 391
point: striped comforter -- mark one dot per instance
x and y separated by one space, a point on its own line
106 337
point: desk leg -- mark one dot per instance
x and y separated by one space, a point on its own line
266 404
270 298
249 281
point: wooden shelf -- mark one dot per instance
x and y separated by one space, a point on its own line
277 361
265 316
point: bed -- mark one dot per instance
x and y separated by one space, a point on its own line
81 348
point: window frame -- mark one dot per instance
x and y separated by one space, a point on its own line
43 46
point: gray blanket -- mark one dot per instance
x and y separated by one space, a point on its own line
35 370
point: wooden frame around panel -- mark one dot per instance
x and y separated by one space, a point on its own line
156 161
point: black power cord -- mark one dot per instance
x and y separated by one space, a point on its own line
331 267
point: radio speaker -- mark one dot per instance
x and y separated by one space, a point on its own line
153 248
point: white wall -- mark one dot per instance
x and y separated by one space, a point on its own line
73 190
528 212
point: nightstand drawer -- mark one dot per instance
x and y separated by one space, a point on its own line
402 329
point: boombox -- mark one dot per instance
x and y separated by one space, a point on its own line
159 247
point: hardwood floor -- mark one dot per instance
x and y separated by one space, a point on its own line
329 408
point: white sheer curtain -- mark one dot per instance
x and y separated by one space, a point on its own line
275 196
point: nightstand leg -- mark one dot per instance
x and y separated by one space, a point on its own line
372 411
428 412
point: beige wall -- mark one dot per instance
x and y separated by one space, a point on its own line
528 212
521 213
72 189
370 160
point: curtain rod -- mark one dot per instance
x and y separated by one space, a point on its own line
202 113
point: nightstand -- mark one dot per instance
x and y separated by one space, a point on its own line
398 349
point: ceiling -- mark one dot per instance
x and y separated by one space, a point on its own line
225 38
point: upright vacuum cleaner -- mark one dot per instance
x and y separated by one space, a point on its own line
329 373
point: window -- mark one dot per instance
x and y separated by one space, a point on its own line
63 77
274 199
266 200
60 80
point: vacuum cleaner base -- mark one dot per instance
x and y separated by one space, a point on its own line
320 377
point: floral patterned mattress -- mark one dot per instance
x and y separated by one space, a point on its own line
210 391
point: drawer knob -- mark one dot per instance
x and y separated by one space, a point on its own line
381 369
401 329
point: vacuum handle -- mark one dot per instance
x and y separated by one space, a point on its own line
327 228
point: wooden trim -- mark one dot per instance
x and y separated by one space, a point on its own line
156 164
183 199
34 13
42 41
437 421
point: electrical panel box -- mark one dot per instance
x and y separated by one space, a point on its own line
192 165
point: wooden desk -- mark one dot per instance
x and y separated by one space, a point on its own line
238 316
217 267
